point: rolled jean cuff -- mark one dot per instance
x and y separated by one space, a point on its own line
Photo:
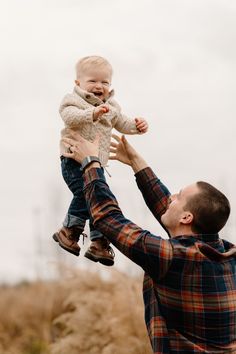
95 234
72 220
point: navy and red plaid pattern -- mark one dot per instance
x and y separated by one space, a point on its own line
189 291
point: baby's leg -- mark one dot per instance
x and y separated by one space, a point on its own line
74 222
77 213
99 249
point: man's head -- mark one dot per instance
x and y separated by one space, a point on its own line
94 75
197 209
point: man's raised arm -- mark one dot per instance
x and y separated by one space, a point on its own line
154 192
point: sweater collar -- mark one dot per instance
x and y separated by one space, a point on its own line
90 97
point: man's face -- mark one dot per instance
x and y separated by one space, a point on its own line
175 215
96 81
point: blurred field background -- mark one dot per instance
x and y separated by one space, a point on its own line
83 313
174 64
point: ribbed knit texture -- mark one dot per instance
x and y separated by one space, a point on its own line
76 111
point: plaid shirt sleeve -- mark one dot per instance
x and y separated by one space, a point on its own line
151 252
155 193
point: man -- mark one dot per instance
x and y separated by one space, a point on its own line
189 284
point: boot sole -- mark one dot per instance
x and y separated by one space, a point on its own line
55 238
104 261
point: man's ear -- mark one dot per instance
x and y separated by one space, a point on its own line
77 82
186 218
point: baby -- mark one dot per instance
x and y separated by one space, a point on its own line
90 110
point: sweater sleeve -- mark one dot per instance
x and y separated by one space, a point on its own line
155 193
123 124
73 112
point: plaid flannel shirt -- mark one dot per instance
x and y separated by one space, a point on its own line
189 286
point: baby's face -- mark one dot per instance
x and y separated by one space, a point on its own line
96 81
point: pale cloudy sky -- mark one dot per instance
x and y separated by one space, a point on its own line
174 64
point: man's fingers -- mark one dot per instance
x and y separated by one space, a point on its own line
68 154
69 141
113 144
124 140
112 157
68 146
112 150
74 134
116 137
77 138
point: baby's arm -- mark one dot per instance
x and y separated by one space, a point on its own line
126 125
99 111
74 116
75 111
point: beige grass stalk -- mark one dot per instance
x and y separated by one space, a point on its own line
82 314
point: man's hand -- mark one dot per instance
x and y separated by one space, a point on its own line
99 111
118 150
141 125
78 148
122 151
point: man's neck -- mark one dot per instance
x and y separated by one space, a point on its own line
182 231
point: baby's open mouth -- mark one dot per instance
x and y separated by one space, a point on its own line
97 93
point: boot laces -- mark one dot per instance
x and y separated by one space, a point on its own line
110 251
107 246
76 233
84 236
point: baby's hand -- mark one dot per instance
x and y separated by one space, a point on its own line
141 125
99 111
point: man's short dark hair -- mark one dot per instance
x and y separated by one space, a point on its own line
210 209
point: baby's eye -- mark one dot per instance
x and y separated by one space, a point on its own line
91 80
105 83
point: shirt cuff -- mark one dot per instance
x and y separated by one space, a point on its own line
93 174
145 173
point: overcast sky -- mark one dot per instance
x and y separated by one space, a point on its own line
174 64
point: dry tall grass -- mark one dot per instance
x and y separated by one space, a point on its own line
83 314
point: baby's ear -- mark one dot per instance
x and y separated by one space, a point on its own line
77 82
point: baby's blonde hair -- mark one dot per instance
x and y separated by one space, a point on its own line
95 60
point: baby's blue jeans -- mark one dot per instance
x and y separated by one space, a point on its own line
77 213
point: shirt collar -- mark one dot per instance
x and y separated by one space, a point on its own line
202 237
208 237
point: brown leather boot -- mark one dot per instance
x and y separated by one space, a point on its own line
100 251
68 238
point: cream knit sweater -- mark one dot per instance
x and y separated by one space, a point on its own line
76 111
